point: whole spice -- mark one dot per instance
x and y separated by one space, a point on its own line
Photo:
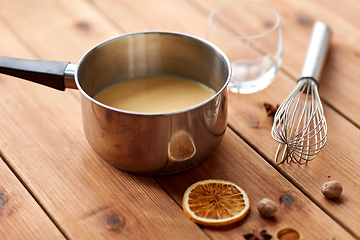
331 189
270 109
254 236
267 207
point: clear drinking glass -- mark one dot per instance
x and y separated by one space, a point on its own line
250 35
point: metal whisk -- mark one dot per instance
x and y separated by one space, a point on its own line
299 124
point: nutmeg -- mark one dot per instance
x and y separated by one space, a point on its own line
331 189
267 207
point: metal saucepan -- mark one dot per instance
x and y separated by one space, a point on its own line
135 142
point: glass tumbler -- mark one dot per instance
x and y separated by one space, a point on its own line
250 35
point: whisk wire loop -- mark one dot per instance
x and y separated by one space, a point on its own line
299 124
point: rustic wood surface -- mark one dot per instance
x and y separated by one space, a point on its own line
53 186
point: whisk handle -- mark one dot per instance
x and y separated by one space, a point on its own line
316 52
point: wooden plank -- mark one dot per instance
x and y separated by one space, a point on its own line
337 161
43 141
66 160
235 161
56 30
155 15
20 215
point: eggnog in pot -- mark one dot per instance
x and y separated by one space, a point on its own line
155 94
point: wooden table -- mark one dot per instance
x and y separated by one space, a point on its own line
53 186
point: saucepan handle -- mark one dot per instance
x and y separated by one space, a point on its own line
55 74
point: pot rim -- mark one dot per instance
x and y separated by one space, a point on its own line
217 49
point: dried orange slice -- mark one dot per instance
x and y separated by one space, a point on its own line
181 147
215 202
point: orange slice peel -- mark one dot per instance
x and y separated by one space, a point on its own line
215 202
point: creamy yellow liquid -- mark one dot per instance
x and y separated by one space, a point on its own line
158 94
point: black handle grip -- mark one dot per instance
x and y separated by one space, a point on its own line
48 73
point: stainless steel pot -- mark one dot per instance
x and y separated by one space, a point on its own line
136 142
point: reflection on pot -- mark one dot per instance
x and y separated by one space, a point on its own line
215 115
181 146
211 112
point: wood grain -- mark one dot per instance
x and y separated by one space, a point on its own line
337 161
20 215
43 142
235 161
142 15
